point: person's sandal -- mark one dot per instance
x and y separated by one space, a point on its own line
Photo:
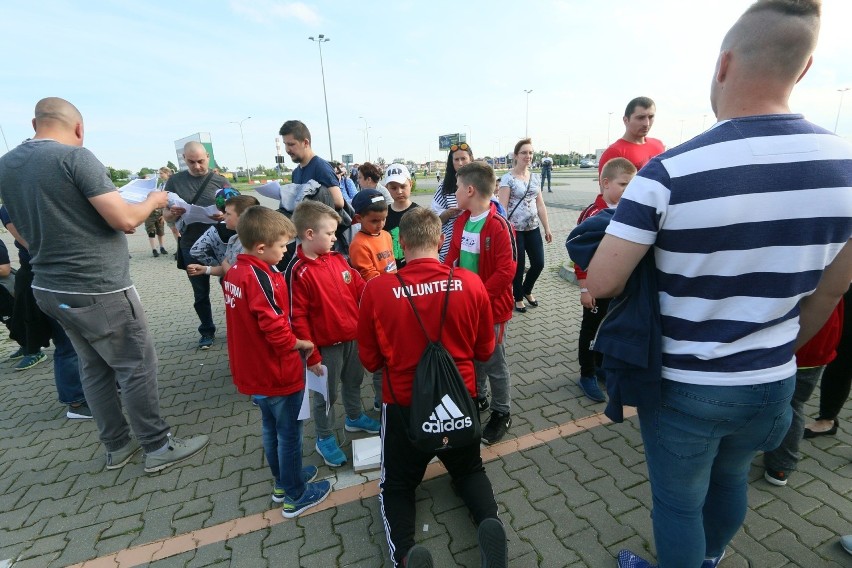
808 433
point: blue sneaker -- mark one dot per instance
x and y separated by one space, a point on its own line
590 388
315 493
627 559
309 473
331 453
712 562
362 424
205 342
19 354
30 361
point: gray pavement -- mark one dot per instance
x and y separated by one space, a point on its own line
571 500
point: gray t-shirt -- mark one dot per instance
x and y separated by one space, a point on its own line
46 187
186 185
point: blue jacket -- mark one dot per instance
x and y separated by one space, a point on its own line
630 335
348 189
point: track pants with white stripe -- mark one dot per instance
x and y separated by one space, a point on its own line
403 467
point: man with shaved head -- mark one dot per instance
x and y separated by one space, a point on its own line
740 238
196 185
63 203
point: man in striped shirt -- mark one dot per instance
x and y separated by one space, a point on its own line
749 226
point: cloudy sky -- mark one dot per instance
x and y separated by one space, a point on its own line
147 73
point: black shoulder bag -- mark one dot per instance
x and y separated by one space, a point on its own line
181 264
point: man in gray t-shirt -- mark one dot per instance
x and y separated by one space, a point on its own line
74 220
186 184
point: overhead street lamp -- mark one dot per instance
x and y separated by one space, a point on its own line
837 120
527 127
321 39
367 136
240 123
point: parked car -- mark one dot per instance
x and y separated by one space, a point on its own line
588 164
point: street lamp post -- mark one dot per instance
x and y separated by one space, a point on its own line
527 127
321 39
366 137
837 120
240 123
7 144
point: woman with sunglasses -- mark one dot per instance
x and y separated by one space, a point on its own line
520 194
444 202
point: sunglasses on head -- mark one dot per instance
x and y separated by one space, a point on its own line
462 146
225 195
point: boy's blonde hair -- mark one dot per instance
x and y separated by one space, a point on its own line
420 228
480 176
617 166
242 202
308 215
260 225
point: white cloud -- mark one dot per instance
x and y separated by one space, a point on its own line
262 11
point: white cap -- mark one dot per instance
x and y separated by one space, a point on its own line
398 173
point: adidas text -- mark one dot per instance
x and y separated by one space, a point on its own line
438 426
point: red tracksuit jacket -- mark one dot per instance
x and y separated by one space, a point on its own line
498 260
260 341
324 294
388 332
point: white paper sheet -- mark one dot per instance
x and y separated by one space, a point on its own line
317 384
137 190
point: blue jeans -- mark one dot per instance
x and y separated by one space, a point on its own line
282 440
786 456
545 175
201 294
66 367
699 445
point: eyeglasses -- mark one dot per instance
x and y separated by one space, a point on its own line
224 195
462 146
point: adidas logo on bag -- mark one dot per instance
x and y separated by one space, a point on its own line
446 418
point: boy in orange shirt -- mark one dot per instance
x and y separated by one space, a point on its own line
371 252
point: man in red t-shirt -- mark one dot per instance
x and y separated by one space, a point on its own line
635 144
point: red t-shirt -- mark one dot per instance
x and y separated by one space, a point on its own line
638 154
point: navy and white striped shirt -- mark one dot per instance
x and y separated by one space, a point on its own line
743 220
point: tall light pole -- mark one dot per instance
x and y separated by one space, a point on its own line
837 120
527 127
366 136
321 39
240 123
608 124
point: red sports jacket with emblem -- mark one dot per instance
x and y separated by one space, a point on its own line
324 296
260 341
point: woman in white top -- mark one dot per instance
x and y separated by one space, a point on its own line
520 195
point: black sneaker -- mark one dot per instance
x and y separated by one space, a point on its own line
496 428
493 550
777 478
163 250
418 557
155 253
482 404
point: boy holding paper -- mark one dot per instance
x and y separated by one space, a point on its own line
266 357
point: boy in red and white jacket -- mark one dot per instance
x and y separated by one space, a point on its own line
324 296
484 242
264 354
615 176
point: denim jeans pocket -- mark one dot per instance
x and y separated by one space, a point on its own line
684 435
780 426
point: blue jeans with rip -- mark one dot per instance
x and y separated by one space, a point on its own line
699 445
282 440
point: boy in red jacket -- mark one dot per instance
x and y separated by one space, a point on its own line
264 354
324 295
615 176
484 242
